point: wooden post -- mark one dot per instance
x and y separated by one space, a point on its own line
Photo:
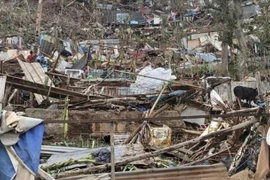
31 100
12 95
112 152
258 85
56 62
65 117
267 108
68 81
7 90
136 131
49 91
44 174
153 107
224 62
230 92
134 61
109 60
121 57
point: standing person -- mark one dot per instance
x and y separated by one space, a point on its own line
30 57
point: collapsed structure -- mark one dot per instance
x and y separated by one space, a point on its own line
134 109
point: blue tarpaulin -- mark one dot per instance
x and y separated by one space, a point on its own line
191 13
261 104
134 22
166 96
207 57
6 168
27 148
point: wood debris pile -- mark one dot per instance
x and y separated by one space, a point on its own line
134 104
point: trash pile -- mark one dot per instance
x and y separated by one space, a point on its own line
224 134
126 103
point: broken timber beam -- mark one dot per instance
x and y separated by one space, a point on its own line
162 119
61 75
205 158
42 89
173 153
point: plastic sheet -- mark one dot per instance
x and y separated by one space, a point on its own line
148 84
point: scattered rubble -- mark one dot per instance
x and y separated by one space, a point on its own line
121 103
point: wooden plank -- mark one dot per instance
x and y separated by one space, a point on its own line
36 69
30 75
44 175
186 151
162 119
42 89
34 73
61 75
173 153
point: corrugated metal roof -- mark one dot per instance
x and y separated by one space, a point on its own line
206 172
10 54
251 10
104 6
122 17
108 43
121 152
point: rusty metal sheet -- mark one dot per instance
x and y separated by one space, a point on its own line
205 172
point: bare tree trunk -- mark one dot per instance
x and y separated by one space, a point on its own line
242 68
38 23
239 31
224 63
